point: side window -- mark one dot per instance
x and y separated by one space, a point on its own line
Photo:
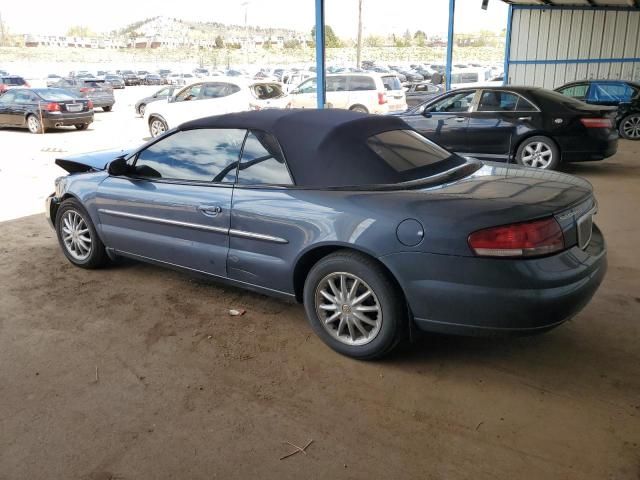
308 87
525 105
360 83
576 91
459 102
616 92
262 161
336 84
391 83
24 98
190 93
203 155
8 97
218 90
497 101
422 87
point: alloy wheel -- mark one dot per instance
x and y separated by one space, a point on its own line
348 308
631 127
76 235
537 155
33 124
157 127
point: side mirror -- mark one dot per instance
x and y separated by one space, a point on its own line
118 167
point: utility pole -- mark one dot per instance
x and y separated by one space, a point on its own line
1 31
359 47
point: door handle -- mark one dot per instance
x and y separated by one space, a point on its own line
524 119
460 119
210 210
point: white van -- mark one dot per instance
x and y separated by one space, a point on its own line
473 77
360 92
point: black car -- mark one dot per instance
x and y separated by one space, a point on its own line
617 93
130 78
40 108
161 94
116 81
417 93
534 126
98 91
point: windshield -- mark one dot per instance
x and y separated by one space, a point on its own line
412 156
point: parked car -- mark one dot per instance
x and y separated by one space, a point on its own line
164 73
7 82
130 78
52 78
98 91
337 222
116 81
197 100
142 74
153 79
360 92
621 94
535 127
180 78
417 93
473 77
267 94
162 94
41 108
201 72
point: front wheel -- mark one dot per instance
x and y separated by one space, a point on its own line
77 236
630 127
353 305
157 126
141 109
538 152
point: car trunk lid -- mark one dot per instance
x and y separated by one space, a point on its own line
92 161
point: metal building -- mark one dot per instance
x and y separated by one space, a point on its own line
565 40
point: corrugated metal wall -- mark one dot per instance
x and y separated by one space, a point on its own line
550 47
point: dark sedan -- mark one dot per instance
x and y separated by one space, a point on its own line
535 127
370 225
116 81
98 91
618 93
162 94
418 93
40 108
130 78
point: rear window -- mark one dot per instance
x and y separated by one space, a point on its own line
391 83
411 155
266 91
54 95
360 83
13 81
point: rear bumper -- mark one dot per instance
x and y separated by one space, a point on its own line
588 148
480 296
99 103
66 119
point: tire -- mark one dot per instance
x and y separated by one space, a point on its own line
384 308
141 109
630 127
359 108
82 246
34 125
107 109
81 126
157 126
538 152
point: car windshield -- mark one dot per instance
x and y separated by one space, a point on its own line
14 81
54 94
411 155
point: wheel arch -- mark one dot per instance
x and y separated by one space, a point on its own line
359 105
314 254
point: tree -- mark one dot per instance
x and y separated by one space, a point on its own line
80 31
219 42
331 40
359 45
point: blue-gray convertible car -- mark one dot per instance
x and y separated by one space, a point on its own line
376 229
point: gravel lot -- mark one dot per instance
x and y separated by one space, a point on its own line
136 372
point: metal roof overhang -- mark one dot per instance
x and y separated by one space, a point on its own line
607 4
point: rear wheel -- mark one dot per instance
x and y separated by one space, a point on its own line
538 152
107 109
81 126
77 236
353 306
359 108
157 126
34 124
630 127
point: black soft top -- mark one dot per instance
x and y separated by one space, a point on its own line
323 148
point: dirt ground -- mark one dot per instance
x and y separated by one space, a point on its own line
135 372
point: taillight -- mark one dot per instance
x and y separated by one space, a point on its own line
89 104
86 90
3 88
597 122
52 107
382 98
540 237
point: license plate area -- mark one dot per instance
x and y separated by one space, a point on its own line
585 229
74 107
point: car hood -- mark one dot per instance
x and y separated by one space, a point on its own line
91 161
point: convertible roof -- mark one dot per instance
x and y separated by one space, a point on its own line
323 148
